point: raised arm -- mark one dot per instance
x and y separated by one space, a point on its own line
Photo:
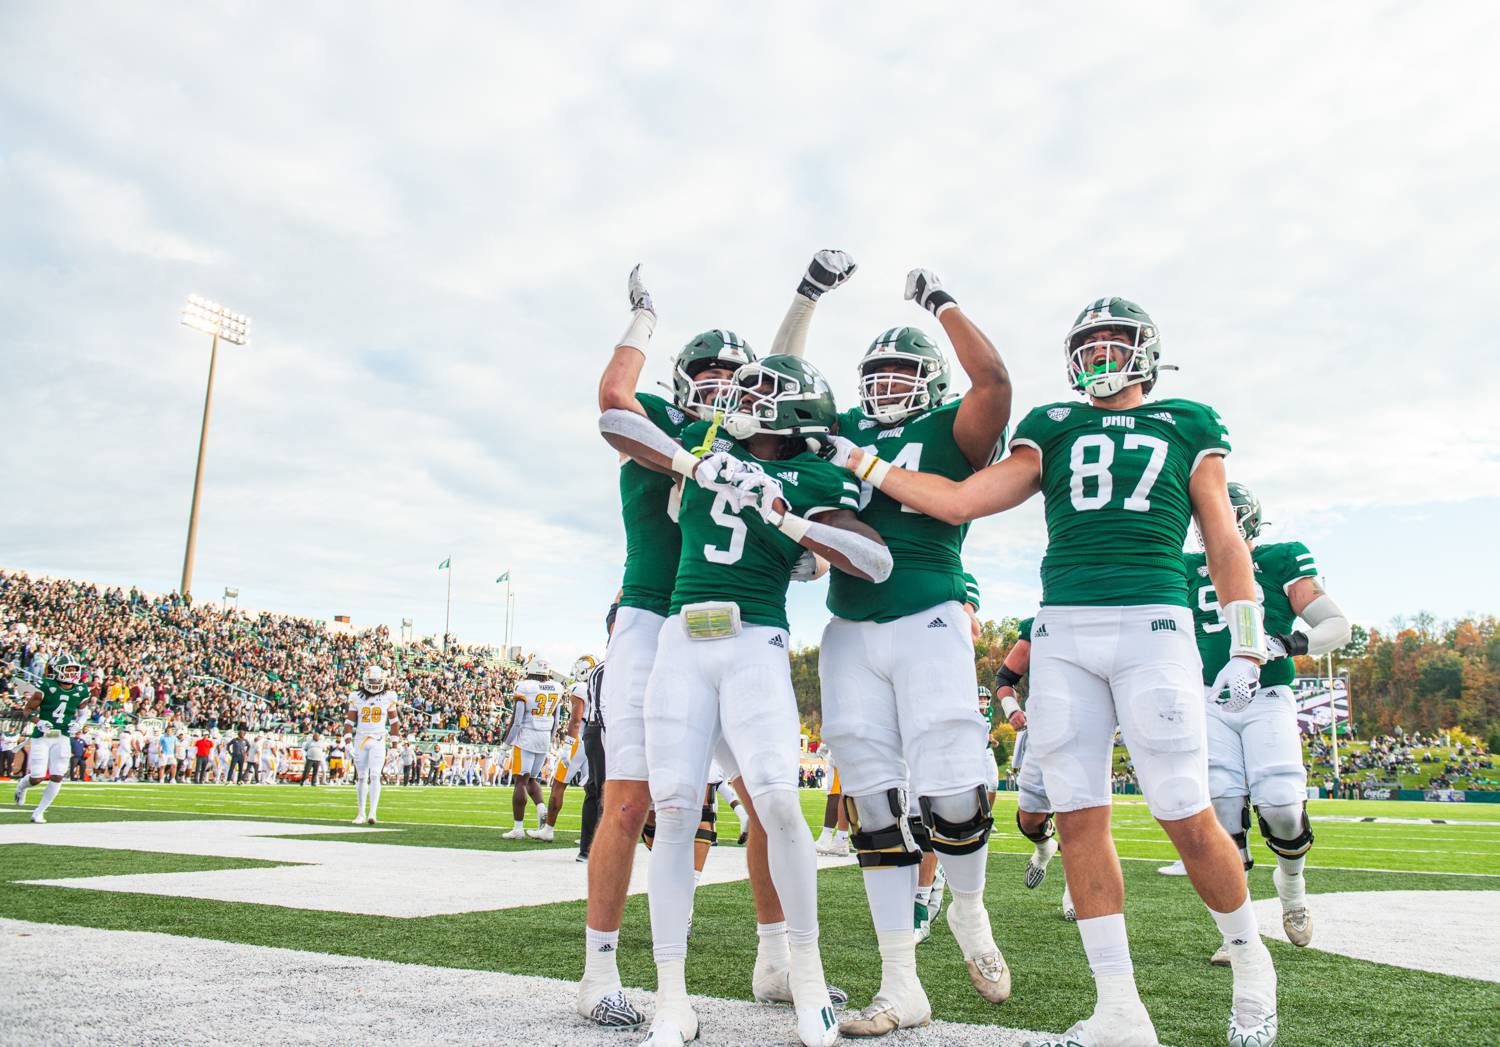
623 372
827 270
985 410
994 489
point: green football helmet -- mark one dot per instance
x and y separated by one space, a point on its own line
1247 514
717 348
781 394
65 669
891 396
1140 346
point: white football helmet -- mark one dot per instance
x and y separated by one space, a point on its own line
586 664
539 668
374 679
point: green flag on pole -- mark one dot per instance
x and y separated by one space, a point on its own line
448 563
502 578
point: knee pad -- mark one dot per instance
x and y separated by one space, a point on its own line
958 837
1233 813
1040 835
891 845
1286 829
706 831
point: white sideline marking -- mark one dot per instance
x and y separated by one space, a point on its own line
288 996
368 878
1446 932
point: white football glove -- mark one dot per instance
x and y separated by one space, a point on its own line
827 270
46 725
806 567
924 288
1237 684
1274 648
834 448
760 491
640 298
718 470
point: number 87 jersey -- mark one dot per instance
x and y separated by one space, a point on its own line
1115 484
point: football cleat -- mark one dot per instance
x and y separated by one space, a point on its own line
1036 865
987 968
817 1026
20 792
744 835
886 1014
517 833
359 819
824 846
1253 1021
1297 923
613 1011
1221 957
1128 1026
370 820
1175 869
774 985
673 1026
582 858
1070 913
37 818
542 832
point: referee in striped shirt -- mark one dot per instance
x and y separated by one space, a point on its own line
593 748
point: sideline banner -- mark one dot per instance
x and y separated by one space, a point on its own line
1319 700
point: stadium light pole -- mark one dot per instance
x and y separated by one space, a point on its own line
208 318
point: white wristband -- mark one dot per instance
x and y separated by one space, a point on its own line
1009 705
875 471
794 527
944 308
638 335
685 462
1247 629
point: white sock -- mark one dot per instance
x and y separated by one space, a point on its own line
1238 927
697 877
599 952
890 891
669 887
1290 885
518 825
825 835
924 894
1108 949
794 865
374 796
898 956
965 872
842 836
772 951
359 792
48 795
671 983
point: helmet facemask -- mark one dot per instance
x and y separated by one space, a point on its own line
708 396
67 670
373 680
767 401
892 395
1132 340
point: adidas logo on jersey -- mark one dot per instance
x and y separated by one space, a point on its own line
1040 630
789 477
937 623
1057 414
777 641
1163 416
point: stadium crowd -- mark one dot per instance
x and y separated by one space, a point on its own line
212 668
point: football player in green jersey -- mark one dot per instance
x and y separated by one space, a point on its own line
1255 750
1121 477
55 703
701 374
757 499
896 666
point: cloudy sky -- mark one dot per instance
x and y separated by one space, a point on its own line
430 214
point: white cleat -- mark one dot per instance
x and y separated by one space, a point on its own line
1253 1021
517 833
774 985
359 820
542 832
1036 865
903 1009
1175 869
37 818
1220 958
1117 1027
817 1026
20 794
1069 912
610 1010
1297 923
987 968
824 847
673 1026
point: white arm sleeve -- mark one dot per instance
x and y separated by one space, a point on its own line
870 558
639 429
791 336
1328 628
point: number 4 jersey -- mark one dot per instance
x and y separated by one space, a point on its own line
1116 489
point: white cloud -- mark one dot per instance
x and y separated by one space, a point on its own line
430 214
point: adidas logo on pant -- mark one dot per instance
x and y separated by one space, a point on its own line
937 623
776 641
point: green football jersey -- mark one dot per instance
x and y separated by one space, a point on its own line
59 706
652 541
1277 566
1115 485
927 565
740 557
